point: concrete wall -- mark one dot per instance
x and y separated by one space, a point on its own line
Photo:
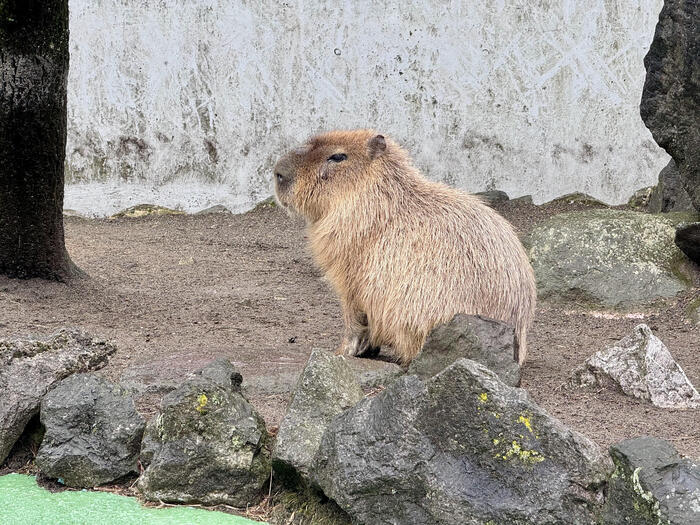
188 103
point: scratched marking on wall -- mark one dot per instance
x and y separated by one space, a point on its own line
188 104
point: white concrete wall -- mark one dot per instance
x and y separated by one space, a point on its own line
187 103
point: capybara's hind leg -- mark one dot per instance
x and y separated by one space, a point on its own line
356 336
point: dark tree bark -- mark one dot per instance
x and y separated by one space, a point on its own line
33 75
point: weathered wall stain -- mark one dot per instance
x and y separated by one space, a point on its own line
539 98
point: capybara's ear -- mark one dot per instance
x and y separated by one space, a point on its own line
377 146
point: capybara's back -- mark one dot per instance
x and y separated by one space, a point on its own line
403 253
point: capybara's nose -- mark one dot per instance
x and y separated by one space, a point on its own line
283 170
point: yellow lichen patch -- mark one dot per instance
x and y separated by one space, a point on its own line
526 421
496 441
529 457
202 401
483 397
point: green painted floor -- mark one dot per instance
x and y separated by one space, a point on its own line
23 502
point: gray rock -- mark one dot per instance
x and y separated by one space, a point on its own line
688 240
219 208
641 366
652 485
93 432
145 210
669 194
596 256
641 198
523 199
374 373
578 197
31 367
489 342
326 387
461 447
208 444
670 102
491 197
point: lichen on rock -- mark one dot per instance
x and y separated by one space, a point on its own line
207 445
608 258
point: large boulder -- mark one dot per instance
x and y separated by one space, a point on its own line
327 386
609 258
31 367
93 432
671 96
669 194
688 240
641 366
207 445
652 485
374 373
461 447
489 342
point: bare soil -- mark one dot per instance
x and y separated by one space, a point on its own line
174 292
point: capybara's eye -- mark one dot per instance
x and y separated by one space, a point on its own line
338 157
279 176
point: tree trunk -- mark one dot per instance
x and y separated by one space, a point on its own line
33 75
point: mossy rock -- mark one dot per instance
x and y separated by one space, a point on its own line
145 210
640 198
578 198
607 258
680 217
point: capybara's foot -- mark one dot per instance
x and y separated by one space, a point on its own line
357 346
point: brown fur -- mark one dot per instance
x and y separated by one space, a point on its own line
403 253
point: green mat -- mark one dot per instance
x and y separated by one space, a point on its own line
23 502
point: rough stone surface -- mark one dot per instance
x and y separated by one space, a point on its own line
523 199
144 210
688 240
610 258
461 447
669 194
211 210
208 444
489 342
652 485
641 366
640 198
326 387
578 198
671 96
93 432
374 373
493 196
31 367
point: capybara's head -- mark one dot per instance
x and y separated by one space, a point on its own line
328 168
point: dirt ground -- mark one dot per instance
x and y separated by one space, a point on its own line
174 292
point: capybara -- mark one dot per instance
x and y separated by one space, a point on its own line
403 253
